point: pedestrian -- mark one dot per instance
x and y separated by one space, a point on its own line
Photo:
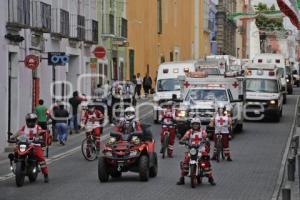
99 91
133 81
75 101
50 114
147 84
139 82
41 112
61 116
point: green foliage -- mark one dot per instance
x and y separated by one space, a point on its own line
264 23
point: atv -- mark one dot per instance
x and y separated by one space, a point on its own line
133 152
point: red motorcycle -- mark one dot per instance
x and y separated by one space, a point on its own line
23 162
166 138
133 152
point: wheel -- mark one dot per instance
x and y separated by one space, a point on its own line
298 83
116 174
193 176
199 179
144 168
277 117
239 128
20 174
154 168
165 145
290 91
89 152
32 176
281 112
102 170
284 99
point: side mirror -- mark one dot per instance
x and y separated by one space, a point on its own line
241 97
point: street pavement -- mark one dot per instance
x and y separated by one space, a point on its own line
256 153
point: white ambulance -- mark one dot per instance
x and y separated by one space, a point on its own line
168 85
224 61
201 94
264 97
279 61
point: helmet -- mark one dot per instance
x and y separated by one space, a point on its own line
129 113
31 120
90 106
196 123
221 108
169 104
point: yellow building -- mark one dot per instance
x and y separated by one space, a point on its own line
162 31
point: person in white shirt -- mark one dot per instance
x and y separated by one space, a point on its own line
139 82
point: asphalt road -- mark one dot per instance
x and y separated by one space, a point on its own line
256 153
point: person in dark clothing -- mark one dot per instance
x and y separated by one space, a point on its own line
75 101
61 119
139 82
147 84
133 80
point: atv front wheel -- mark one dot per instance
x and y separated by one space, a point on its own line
102 170
144 168
154 168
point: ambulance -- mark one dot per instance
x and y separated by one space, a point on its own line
279 61
264 93
201 95
224 61
168 85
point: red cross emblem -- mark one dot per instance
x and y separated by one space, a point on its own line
235 84
197 139
221 121
186 84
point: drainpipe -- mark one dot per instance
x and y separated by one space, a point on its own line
196 29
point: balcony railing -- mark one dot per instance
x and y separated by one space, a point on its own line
91 31
18 13
40 16
108 25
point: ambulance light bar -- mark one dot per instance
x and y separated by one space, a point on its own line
165 71
199 74
230 74
186 70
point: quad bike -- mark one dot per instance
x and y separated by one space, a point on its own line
133 152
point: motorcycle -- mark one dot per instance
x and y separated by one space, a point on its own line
198 162
88 145
166 137
23 162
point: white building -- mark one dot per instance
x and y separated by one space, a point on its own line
68 26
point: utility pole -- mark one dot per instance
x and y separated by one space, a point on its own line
196 29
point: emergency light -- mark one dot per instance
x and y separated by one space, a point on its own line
186 69
271 73
175 70
165 71
260 72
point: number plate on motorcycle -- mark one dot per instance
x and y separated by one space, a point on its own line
120 163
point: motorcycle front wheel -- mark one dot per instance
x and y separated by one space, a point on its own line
193 176
165 145
20 174
88 149
32 176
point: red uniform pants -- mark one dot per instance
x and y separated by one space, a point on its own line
39 154
225 142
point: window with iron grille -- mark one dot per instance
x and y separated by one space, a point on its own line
95 31
19 12
64 22
81 27
46 16
159 16
124 28
111 24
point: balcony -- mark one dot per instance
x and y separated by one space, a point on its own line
18 14
108 26
91 31
121 31
41 16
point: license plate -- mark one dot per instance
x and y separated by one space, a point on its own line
257 112
120 163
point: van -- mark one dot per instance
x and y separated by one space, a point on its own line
168 85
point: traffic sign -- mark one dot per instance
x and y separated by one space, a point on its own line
99 52
32 61
57 58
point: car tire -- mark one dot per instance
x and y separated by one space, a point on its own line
284 99
102 170
144 168
239 128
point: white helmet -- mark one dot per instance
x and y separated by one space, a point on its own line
195 120
220 107
129 113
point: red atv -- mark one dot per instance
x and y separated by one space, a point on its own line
133 152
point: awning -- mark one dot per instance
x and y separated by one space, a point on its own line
289 12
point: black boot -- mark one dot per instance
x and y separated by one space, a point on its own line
46 178
211 181
229 159
181 181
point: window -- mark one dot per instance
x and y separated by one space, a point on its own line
207 95
206 16
124 28
159 16
262 85
95 31
19 12
81 27
164 85
64 22
46 16
111 24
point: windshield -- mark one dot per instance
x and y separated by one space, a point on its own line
262 85
211 71
164 85
206 95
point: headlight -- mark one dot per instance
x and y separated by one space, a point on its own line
108 153
111 140
182 113
287 80
23 147
135 140
273 102
193 151
133 153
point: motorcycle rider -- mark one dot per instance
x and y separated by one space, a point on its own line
134 125
168 118
32 131
193 136
221 121
93 118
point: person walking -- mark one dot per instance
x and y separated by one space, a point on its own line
99 91
75 101
147 84
41 112
61 125
139 82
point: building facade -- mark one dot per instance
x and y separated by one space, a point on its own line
213 28
39 27
226 28
161 31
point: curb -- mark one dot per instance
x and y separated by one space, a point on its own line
281 173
